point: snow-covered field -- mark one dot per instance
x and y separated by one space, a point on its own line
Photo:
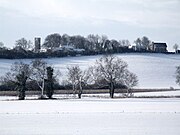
153 70
90 116
93 115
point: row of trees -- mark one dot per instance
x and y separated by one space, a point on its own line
108 71
38 71
143 44
96 43
92 43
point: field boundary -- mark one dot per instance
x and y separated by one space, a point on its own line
89 91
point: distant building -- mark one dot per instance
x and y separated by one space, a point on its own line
37 43
68 48
177 51
158 47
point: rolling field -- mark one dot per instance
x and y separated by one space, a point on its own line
153 70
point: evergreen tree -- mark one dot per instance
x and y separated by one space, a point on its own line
49 82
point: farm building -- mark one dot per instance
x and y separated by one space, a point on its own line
158 47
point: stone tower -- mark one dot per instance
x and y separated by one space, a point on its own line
37 43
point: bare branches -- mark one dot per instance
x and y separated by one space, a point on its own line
24 44
112 71
178 75
35 72
77 78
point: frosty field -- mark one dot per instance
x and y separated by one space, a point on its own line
90 116
153 70
99 115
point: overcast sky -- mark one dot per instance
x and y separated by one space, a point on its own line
118 19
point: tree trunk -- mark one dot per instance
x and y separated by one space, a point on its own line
111 89
21 93
80 90
42 90
21 85
49 83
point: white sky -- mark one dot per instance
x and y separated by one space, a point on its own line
118 19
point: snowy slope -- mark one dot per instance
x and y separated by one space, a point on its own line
153 70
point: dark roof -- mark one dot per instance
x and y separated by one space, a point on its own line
160 44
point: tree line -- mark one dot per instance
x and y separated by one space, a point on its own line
107 72
92 45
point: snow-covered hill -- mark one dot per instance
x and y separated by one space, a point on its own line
153 70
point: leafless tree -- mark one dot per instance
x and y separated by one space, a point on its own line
39 75
77 78
1 45
145 42
103 40
95 40
130 81
24 44
65 39
37 71
142 43
178 75
138 43
113 71
52 41
20 73
124 43
175 47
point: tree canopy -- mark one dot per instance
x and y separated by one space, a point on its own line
112 70
23 43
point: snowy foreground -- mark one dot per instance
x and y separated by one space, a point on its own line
90 116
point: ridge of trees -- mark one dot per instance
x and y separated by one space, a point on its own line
92 45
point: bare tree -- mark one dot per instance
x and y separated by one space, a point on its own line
124 43
20 73
175 47
1 45
65 39
113 71
23 43
103 40
177 75
37 71
39 75
52 41
145 42
142 43
138 43
77 78
95 41
129 81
